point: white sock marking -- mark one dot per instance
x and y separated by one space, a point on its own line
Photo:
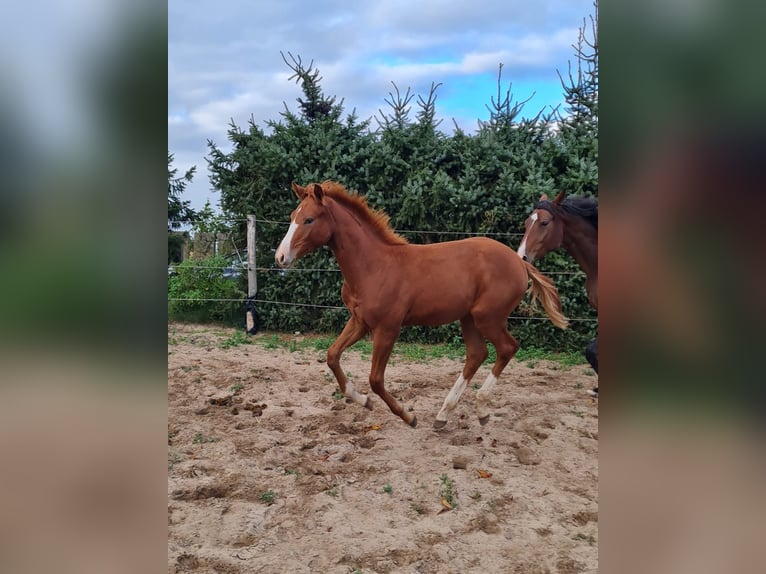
482 397
354 395
452 398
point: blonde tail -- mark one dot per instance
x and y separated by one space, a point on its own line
543 290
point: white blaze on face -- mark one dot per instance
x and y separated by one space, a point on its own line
284 255
523 247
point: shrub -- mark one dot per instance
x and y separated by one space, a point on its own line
199 292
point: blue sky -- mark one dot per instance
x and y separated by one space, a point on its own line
224 61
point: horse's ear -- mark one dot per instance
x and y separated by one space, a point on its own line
544 197
560 197
299 191
318 193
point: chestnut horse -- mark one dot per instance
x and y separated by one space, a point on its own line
389 283
571 223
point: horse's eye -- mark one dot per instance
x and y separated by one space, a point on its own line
309 220
544 223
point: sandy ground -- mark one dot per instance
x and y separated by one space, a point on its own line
269 472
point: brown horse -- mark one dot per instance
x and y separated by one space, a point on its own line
389 283
571 223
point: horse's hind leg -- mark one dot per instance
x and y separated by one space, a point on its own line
382 344
505 347
352 332
591 354
475 354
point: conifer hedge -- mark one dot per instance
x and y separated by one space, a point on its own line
434 187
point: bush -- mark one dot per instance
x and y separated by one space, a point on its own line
199 292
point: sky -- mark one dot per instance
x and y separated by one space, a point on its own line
224 62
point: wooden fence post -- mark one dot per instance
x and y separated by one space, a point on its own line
252 280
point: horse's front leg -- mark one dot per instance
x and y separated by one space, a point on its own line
352 332
382 344
475 354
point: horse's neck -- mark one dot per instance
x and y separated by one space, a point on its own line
581 241
358 249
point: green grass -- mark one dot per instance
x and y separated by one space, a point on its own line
567 359
447 491
237 338
173 459
590 539
417 509
413 352
388 489
270 341
268 497
226 338
199 438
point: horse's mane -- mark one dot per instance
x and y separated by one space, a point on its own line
581 206
377 219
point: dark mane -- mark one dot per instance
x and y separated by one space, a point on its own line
585 207
378 220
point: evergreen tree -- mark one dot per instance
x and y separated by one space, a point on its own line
578 129
179 211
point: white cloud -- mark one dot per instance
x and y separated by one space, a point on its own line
225 63
175 119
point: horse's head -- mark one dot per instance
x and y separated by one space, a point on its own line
544 229
310 225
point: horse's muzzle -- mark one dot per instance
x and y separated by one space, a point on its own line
283 260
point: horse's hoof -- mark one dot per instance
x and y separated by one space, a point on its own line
368 403
483 420
439 424
414 422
